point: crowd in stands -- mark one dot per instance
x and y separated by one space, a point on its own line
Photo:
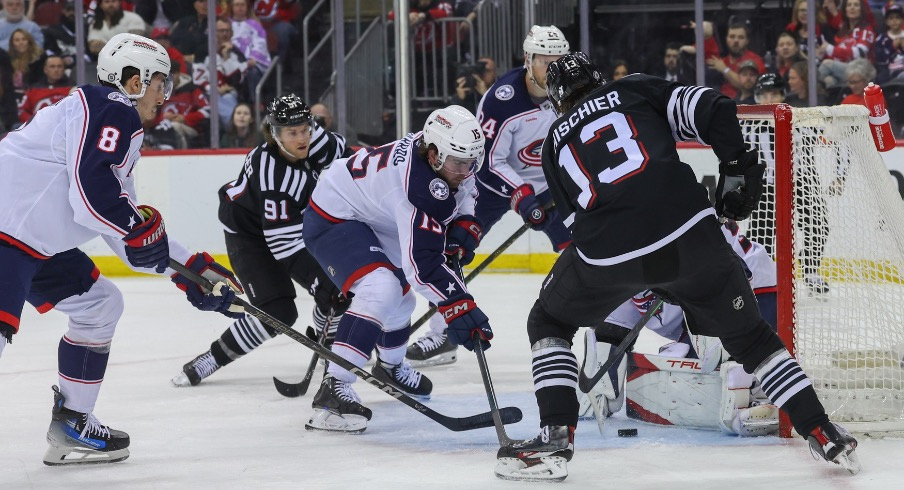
38 58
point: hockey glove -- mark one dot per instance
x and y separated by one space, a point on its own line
147 245
740 186
224 286
464 320
525 203
462 237
328 296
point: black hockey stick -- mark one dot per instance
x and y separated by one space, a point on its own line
586 384
510 415
295 390
504 439
480 267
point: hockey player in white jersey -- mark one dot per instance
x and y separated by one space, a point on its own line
669 322
66 178
515 116
382 222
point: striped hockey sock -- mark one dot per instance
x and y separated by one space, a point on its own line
242 337
786 384
555 370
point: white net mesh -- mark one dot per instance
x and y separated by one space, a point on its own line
848 244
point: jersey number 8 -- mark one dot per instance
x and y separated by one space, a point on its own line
109 136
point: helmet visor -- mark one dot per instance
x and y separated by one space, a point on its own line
460 166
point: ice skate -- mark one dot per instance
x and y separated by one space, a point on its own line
433 349
78 438
817 285
337 408
834 444
541 459
403 377
196 370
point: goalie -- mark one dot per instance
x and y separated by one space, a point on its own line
690 383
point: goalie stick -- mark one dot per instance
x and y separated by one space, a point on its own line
586 384
509 415
295 390
480 267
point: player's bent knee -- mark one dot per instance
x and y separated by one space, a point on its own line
94 314
541 325
378 295
283 309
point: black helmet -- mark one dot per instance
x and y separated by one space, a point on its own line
769 81
288 110
570 77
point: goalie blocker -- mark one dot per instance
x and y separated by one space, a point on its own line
676 391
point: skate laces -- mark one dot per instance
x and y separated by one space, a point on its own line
93 427
205 365
431 341
406 375
345 392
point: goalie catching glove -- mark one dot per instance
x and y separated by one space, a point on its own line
147 245
465 321
462 238
224 286
740 186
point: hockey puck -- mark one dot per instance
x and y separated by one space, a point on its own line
627 432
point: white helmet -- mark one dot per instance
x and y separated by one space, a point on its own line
139 52
547 40
455 132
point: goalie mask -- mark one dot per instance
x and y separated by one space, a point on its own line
458 139
543 40
131 50
569 78
289 111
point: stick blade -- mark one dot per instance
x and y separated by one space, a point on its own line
508 415
288 390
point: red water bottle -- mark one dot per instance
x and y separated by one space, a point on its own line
879 122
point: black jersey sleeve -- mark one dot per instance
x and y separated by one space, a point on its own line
326 146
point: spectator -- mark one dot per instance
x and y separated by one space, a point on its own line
8 115
858 74
470 88
278 16
619 70
798 25
737 39
162 14
241 132
854 40
48 91
162 36
189 34
787 52
59 39
186 112
798 94
322 116
889 47
110 21
231 69
249 37
671 69
15 19
748 73
421 15
27 59
465 8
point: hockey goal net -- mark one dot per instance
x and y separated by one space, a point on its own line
834 221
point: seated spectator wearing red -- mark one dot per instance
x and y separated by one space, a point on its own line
858 74
889 47
687 58
854 40
110 21
737 39
27 60
787 52
278 16
53 87
798 25
421 14
162 36
187 112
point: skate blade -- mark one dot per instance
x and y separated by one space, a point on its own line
180 381
440 360
549 469
327 421
63 456
761 420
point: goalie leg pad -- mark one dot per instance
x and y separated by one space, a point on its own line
609 392
672 391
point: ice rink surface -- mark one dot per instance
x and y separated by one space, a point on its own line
235 431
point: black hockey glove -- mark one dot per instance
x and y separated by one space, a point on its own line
462 237
740 186
465 320
224 283
524 202
328 297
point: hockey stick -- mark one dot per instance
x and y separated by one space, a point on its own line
586 384
480 267
295 390
504 439
510 415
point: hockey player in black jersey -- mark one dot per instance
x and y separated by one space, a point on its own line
261 212
642 221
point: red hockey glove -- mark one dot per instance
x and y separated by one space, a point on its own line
224 286
147 245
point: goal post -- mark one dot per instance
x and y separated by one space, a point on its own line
834 222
